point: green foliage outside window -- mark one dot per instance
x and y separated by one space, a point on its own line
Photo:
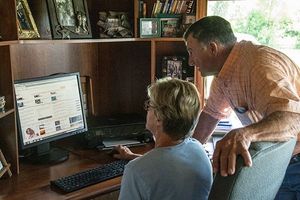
274 23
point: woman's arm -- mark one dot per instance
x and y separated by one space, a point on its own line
125 153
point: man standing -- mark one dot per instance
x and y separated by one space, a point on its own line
260 84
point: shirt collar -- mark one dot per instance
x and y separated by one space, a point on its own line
229 66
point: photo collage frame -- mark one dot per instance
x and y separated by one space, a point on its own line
177 67
68 19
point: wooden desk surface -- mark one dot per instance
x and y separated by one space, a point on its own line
33 182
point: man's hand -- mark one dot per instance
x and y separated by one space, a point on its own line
233 144
125 153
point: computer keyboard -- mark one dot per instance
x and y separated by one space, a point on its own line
89 177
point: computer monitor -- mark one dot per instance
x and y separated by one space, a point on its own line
48 109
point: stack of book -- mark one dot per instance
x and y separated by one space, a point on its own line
224 125
173 7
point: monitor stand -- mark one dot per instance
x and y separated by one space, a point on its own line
43 154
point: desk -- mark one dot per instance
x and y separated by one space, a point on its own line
33 182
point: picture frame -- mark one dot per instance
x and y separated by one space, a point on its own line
187 20
175 67
170 27
172 66
114 25
149 27
4 166
26 25
69 19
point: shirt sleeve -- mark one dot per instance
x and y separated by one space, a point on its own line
277 87
217 105
131 185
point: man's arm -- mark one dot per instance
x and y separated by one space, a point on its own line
278 126
205 127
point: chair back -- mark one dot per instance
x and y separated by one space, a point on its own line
262 180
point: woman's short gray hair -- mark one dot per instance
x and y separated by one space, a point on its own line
176 102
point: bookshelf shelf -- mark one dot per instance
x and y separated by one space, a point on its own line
91 41
4 114
5 43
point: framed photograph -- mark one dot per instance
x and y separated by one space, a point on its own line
187 20
174 66
114 25
69 19
26 25
149 27
170 27
4 166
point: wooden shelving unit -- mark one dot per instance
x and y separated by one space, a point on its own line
3 114
120 69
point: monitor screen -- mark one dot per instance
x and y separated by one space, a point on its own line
49 108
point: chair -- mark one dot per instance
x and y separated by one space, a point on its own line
262 180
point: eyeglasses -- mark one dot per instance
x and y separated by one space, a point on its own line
147 105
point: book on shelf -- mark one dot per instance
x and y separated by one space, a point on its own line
170 6
190 7
182 7
142 9
173 7
177 6
165 5
153 10
156 8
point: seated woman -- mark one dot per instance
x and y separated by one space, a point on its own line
178 167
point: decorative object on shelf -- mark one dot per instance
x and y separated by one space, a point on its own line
170 27
26 24
172 66
2 104
149 27
114 25
177 67
69 19
187 20
4 166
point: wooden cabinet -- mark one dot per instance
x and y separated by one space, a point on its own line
119 69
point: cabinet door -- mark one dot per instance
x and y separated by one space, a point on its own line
8 28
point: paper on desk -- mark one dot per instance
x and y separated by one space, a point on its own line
113 143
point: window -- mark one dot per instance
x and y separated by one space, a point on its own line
275 23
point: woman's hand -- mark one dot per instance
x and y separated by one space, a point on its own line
125 153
